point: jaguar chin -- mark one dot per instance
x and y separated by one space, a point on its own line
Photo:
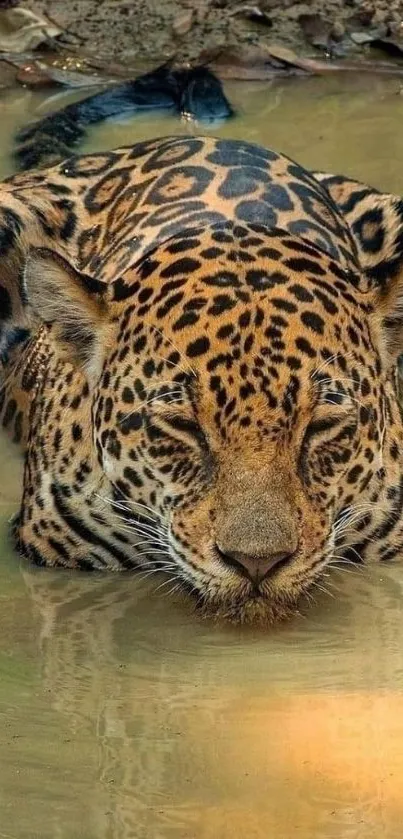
252 594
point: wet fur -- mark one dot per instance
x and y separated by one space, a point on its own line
193 243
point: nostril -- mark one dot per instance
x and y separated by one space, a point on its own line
281 560
230 560
254 567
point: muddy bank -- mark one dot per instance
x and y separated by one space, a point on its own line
158 29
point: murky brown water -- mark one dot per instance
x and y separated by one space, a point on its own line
122 713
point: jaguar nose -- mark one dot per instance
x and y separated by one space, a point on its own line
256 568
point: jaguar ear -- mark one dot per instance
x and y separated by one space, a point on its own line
375 221
73 304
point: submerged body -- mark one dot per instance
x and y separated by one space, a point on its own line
208 387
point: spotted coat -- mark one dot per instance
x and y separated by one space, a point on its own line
207 381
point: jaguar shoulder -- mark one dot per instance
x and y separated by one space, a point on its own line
208 384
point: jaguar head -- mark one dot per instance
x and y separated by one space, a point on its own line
241 417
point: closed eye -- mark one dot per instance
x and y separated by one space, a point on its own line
185 425
321 427
330 433
187 429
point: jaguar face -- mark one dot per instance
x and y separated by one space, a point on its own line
237 419
238 410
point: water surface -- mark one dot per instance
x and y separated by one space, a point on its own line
123 714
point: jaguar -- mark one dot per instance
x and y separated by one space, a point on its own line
199 350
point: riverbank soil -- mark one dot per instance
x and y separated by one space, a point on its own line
159 29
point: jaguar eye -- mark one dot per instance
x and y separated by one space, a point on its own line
182 427
318 427
328 434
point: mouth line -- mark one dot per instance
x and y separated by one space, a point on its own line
253 605
208 588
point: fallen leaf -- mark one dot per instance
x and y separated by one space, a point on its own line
182 24
71 78
123 71
21 29
361 38
320 66
288 57
32 76
266 62
245 63
39 74
67 70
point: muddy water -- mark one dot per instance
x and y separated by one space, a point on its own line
122 714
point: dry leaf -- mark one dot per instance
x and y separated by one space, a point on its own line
264 63
361 38
37 74
122 71
244 63
289 57
21 29
182 24
32 76
314 65
71 78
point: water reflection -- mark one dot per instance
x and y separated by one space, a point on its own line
179 728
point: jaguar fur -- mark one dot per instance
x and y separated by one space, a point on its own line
206 383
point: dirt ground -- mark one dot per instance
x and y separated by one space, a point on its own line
158 29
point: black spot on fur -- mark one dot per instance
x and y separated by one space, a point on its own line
198 347
313 321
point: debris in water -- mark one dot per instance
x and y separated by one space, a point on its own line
39 74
